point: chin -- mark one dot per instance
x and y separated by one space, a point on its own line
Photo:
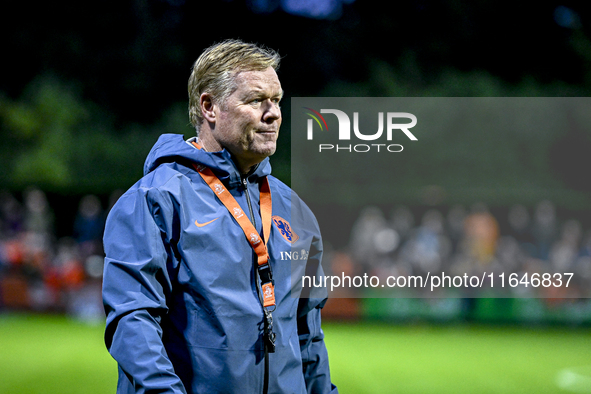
266 150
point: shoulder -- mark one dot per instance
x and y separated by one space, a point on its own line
298 210
154 188
281 190
167 174
278 186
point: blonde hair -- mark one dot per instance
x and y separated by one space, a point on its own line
214 71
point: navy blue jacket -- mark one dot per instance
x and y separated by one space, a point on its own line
180 291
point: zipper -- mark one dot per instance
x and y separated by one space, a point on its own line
259 291
245 184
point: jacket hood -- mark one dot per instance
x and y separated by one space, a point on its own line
172 148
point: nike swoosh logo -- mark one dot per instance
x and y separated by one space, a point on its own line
204 224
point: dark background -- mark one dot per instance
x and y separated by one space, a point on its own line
88 87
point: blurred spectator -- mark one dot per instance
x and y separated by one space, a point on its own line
11 213
520 228
472 243
481 234
13 282
38 215
544 228
582 267
39 273
66 273
564 251
428 247
455 225
89 225
371 238
38 234
510 255
402 220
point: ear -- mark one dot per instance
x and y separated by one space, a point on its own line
207 107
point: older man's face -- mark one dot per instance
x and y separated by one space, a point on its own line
248 123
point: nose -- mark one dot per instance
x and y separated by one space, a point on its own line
272 112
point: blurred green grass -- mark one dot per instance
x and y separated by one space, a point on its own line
42 354
55 354
369 358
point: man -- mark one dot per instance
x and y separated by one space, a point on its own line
198 299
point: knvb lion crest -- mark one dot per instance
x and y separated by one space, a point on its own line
254 239
237 212
285 229
218 188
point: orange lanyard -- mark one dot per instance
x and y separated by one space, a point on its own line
258 245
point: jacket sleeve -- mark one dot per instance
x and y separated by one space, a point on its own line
135 284
314 354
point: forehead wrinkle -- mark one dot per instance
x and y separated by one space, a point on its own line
260 90
256 83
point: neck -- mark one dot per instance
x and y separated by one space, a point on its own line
210 144
244 168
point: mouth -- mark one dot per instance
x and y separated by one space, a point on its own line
267 134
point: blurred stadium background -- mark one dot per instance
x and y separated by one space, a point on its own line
88 88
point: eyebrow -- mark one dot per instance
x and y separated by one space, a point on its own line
261 92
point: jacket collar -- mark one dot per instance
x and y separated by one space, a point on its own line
173 148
